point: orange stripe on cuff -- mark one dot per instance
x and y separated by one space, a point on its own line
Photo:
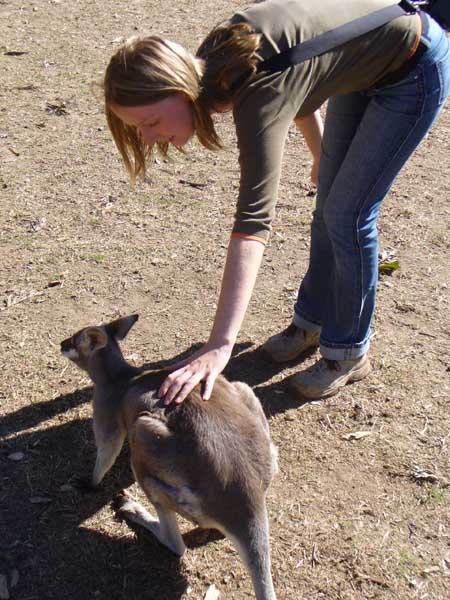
246 236
417 41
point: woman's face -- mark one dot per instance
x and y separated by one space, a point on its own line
169 120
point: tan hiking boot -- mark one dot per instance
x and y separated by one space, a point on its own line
290 343
327 377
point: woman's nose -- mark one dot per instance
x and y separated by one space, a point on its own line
149 136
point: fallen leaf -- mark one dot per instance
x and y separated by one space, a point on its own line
38 224
422 475
356 435
58 109
387 262
212 593
389 267
430 570
57 282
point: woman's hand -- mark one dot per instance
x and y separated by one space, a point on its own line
204 365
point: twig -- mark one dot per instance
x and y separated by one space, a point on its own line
422 431
198 186
380 582
11 301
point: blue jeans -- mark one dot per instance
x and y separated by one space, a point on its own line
368 137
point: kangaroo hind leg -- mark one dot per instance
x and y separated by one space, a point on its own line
165 529
252 543
254 405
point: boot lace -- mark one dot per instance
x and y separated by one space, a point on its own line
325 364
290 331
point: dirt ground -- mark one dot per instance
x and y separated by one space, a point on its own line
351 519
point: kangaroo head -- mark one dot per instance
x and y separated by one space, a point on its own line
83 345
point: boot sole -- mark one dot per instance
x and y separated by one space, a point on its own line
356 375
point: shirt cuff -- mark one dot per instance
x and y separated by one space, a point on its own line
247 236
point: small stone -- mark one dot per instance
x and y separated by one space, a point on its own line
66 487
40 500
16 456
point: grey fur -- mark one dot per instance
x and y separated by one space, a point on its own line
210 461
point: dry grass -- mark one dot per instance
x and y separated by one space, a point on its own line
354 519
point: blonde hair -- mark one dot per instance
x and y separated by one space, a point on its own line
149 69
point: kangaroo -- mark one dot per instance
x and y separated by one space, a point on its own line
210 461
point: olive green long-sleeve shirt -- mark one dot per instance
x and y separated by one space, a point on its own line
265 108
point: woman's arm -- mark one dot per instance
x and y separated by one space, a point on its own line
312 130
241 268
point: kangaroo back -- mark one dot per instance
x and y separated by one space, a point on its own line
223 436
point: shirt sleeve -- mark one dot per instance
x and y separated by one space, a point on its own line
261 128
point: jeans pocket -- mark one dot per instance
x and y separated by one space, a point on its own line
405 97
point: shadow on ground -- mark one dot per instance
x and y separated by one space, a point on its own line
251 365
47 537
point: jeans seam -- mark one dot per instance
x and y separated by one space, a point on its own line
364 198
441 82
343 346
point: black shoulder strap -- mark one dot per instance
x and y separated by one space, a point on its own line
336 37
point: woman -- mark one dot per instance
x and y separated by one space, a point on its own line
385 89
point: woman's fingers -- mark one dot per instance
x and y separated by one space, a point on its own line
187 388
179 384
173 384
209 384
204 366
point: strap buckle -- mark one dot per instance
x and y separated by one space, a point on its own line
410 6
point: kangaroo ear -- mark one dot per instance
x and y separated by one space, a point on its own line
119 328
92 339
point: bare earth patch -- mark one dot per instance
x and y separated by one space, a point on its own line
360 508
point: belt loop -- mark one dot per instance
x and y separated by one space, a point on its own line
425 26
